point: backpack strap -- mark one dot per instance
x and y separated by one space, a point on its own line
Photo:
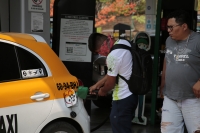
120 46
121 78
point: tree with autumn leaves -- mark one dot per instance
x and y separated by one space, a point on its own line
111 9
108 10
51 8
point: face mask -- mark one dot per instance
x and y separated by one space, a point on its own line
106 46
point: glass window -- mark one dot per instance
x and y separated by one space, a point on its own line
9 69
30 64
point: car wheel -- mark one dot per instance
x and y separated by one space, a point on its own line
60 127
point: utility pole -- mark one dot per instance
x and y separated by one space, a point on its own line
155 63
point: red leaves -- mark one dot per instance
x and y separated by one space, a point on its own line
110 11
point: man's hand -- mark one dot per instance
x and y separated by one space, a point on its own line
92 88
163 79
161 92
102 93
106 84
196 89
98 85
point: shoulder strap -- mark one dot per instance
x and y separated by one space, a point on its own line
121 78
120 46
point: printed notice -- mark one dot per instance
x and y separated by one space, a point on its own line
74 33
36 22
78 49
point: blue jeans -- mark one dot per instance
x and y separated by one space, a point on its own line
176 113
122 114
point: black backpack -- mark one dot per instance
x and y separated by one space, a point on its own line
141 78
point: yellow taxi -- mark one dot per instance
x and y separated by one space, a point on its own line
37 92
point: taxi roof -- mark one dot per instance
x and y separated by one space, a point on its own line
18 37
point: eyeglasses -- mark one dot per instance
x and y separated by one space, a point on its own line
171 27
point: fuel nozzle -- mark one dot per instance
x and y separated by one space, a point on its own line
94 95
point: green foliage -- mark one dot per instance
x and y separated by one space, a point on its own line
139 18
198 4
140 6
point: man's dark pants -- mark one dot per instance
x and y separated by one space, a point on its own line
122 114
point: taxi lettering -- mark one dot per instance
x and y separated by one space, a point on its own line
12 124
67 85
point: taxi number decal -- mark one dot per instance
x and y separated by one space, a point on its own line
32 73
10 119
67 85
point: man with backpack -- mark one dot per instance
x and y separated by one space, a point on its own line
119 62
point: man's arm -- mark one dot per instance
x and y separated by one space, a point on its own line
108 85
98 85
196 89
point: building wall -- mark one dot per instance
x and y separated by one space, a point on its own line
4 15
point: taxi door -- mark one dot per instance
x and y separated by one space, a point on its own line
24 104
26 90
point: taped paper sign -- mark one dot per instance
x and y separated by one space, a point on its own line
70 97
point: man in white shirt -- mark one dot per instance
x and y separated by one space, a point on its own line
119 61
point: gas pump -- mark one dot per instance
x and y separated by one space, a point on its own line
73 22
99 68
99 71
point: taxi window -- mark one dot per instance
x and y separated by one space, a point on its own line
29 62
9 69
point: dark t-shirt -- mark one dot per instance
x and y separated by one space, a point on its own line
182 66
